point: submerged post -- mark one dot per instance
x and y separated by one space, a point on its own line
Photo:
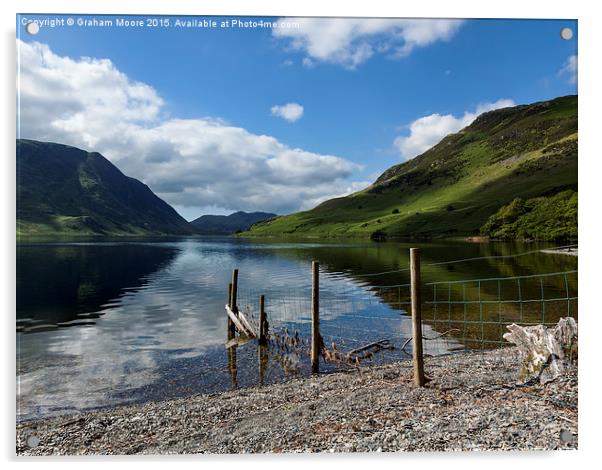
315 317
262 321
416 317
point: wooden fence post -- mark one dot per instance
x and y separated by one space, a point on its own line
416 317
315 317
234 296
232 290
262 321
231 327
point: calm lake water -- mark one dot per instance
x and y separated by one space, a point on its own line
116 322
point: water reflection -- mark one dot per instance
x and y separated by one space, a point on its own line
263 356
232 366
59 285
149 317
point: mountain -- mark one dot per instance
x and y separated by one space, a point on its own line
62 190
527 151
227 224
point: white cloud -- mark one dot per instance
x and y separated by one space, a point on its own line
89 103
290 111
569 69
351 41
427 131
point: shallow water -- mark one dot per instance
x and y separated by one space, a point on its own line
115 322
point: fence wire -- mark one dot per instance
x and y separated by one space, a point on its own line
470 314
478 310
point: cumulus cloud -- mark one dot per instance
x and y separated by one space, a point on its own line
351 41
290 111
427 131
569 69
190 163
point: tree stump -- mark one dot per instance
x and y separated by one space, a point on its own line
546 352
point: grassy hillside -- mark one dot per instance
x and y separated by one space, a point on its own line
454 187
63 190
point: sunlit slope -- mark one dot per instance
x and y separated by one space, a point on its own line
451 189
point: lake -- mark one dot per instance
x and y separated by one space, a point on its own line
103 323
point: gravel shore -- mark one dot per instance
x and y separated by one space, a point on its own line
472 403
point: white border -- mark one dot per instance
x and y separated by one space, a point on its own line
590 110
425 8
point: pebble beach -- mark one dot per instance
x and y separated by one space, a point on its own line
473 402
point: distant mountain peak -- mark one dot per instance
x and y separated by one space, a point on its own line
228 224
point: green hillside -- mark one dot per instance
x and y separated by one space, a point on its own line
63 190
453 188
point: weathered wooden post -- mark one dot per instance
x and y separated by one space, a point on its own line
416 316
231 349
231 326
263 323
234 296
315 317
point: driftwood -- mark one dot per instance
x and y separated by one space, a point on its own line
369 349
250 329
236 320
355 356
546 352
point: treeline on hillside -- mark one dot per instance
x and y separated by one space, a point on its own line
547 218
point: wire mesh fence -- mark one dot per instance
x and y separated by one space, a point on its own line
478 310
350 315
457 315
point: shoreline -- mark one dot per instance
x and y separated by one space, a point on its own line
472 403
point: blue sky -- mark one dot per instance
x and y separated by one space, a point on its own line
372 94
